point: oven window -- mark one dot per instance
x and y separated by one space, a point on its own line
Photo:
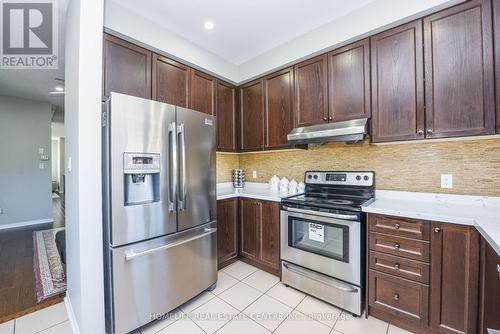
330 240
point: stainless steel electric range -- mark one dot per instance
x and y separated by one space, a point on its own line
323 237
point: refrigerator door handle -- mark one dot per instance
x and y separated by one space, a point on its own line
172 167
132 255
182 157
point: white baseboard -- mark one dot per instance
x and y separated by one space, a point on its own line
71 315
27 223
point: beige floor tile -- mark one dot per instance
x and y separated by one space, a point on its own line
396 330
183 326
40 320
213 315
319 310
261 280
62 328
165 321
197 301
268 312
287 295
239 270
242 325
7 327
240 296
298 323
347 324
224 282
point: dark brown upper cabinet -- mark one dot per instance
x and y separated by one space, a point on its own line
202 92
459 79
279 108
252 116
398 84
311 93
170 81
126 68
496 37
349 82
226 106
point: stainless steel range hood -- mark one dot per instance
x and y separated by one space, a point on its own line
348 131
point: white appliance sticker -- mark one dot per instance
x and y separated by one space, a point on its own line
208 122
316 232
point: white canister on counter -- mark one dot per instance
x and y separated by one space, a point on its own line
292 187
301 187
274 183
284 185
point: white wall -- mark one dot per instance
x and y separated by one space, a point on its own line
25 189
83 77
131 25
54 159
376 16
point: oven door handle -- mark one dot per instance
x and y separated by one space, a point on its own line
321 279
324 214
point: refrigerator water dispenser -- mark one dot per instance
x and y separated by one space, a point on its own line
141 177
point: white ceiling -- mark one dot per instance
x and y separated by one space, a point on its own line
34 84
243 29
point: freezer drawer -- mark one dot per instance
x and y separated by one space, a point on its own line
158 275
329 289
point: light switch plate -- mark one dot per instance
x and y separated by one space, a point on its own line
41 150
41 165
446 181
254 174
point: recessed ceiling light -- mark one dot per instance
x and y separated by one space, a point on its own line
209 25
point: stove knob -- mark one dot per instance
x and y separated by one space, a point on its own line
309 176
366 178
358 177
315 176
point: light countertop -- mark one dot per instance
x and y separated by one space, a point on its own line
251 190
478 211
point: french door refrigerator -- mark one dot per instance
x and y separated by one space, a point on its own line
159 208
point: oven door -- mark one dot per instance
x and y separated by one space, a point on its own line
324 244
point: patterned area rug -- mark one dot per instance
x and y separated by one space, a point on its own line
50 272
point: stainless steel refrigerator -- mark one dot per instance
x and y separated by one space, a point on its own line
159 208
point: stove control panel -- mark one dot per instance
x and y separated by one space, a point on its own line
364 179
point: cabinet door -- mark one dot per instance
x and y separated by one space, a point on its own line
126 68
227 230
226 116
459 80
311 94
349 82
252 116
490 288
250 215
269 244
398 84
202 92
279 108
170 81
496 37
454 278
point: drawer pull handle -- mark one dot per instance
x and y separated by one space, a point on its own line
397 266
437 229
396 296
397 246
397 226
498 269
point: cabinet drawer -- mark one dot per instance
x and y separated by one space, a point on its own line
408 228
398 296
412 249
398 266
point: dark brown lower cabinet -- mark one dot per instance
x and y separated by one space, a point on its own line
489 315
435 293
259 234
227 231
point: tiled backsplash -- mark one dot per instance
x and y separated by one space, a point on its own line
474 164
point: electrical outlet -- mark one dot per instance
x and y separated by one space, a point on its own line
254 174
41 165
446 181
